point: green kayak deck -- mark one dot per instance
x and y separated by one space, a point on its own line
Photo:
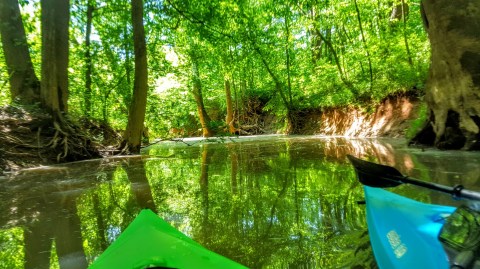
149 241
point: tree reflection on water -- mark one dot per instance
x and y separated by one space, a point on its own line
281 202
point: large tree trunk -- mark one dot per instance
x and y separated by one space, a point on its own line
136 115
453 85
54 85
24 83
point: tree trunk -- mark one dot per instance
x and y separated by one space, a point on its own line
365 46
336 59
229 118
288 61
88 61
136 115
453 84
280 87
54 85
197 94
399 11
24 84
316 42
404 7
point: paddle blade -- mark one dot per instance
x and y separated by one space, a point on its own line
375 175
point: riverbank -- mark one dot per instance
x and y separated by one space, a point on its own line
392 117
28 140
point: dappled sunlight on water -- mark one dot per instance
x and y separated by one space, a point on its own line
266 202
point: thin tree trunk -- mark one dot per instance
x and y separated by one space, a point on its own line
329 48
23 81
288 64
329 44
278 84
280 88
197 94
229 118
236 110
108 90
88 61
316 43
136 115
364 42
405 38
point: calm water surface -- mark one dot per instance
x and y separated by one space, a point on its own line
266 202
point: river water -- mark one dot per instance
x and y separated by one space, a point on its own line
265 202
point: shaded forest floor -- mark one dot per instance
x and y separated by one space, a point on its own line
29 137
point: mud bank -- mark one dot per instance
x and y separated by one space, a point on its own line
390 118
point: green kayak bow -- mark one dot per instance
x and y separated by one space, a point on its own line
150 242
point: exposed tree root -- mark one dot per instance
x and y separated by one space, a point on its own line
69 142
30 137
453 137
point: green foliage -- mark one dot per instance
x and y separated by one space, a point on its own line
172 112
4 92
419 123
288 55
11 248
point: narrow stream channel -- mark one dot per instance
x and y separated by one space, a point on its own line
265 202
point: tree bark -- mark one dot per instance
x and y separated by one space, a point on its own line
197 94
136 115
288 64
453 84
399 11
54 84
316 42
88 60
229 118
281 87
365 46
24 84
404 8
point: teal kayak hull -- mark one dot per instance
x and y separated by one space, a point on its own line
149 241
404 232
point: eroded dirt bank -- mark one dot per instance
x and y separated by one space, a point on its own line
391 118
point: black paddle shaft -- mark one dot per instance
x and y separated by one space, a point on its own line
383 176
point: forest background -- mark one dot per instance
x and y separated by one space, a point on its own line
219 67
